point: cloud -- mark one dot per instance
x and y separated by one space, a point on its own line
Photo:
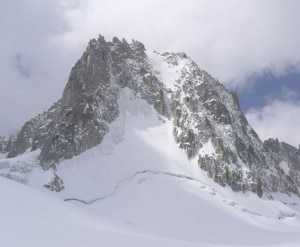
231 39
34 70
21 66
278 119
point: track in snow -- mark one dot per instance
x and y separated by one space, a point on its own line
202 185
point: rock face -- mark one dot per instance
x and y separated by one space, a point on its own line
6 143
80 119
56 184
208 117
287 156
208 123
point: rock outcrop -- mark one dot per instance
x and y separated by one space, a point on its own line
287 156
6 143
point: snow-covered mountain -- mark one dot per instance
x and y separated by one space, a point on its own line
151 143
206 119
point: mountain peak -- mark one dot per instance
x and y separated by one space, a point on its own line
207 120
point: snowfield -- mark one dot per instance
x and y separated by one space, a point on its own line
30 218
137 188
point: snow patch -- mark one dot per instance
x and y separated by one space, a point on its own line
207 149
166 72
285 167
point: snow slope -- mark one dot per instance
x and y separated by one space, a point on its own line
30 218
169 74
137 188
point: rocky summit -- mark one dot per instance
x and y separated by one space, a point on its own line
207 120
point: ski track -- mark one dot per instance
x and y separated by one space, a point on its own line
206 188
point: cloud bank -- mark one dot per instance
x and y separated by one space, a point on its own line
278 119
231 38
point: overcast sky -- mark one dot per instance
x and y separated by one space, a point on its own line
251 46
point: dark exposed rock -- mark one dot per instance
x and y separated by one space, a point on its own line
35 132
160 103
6 143
56 184
287 156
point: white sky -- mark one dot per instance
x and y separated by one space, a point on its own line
231 39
